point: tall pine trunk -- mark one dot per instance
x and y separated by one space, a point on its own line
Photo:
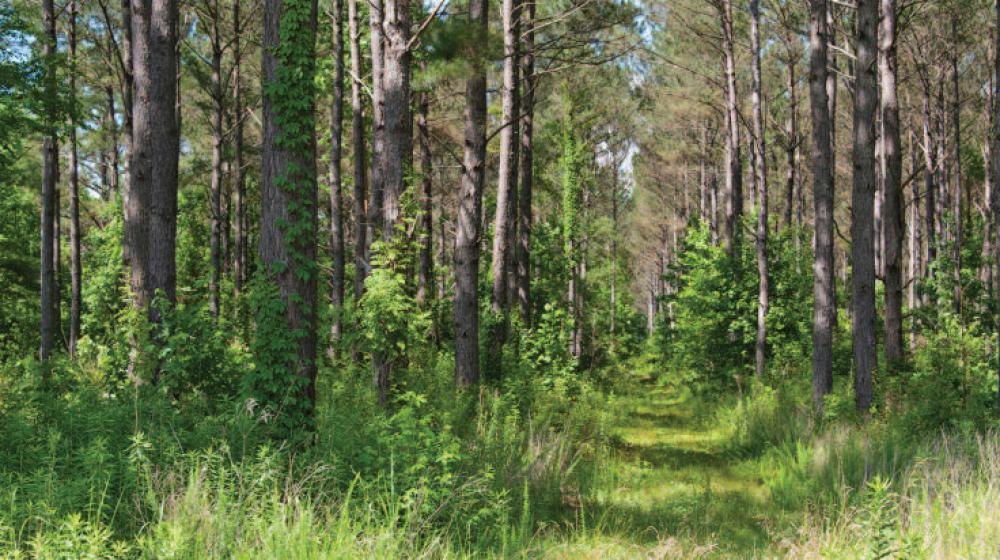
824 310
862 205
50 177
240 268
336 198
470 207
358 155
734 164
524 215
75 269
218 111
892 208
288 220
760 172
425 266
151 207
504 227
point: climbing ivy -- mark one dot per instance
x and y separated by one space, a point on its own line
276 383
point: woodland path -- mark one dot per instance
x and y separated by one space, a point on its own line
673 487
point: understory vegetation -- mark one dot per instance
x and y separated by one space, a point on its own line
499 279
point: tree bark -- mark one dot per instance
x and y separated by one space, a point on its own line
76 269
425 267
760 172
50 177
375 191
791 129
862 201
470 212
152 206
995 170
930 173
215 189
288 192
240 270
503 228
524 214
734 164
892 210
336 198
397 153
358 156
959 211
824 310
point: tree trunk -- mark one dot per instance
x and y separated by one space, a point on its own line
288 221
336 199
503 228
930 186
892 210
50 177
791 129
734 164
824 310
959 211
761 173
524 214
240 272
398 122
74 194
470 211
375 192
995 169
396 152
425 268
218 110
358 156
862 201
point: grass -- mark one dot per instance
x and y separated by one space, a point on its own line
678 478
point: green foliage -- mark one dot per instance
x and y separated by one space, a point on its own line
708 341
274 383
953 381
18 273
270 384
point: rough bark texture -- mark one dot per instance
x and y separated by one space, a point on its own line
151 208
425 266
358 148
959 212
75 268
470 204
862 205
791 128
218 109
760 171
930 176
734 164
824 311
288 197
503 226
336 198
375 191
995 169
892 208
50 176
240 269
524 215
397 152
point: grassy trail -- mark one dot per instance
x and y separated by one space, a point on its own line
673 489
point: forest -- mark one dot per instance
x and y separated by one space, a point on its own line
324 279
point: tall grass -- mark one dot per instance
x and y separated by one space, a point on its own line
944 504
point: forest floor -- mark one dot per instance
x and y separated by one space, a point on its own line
672 487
